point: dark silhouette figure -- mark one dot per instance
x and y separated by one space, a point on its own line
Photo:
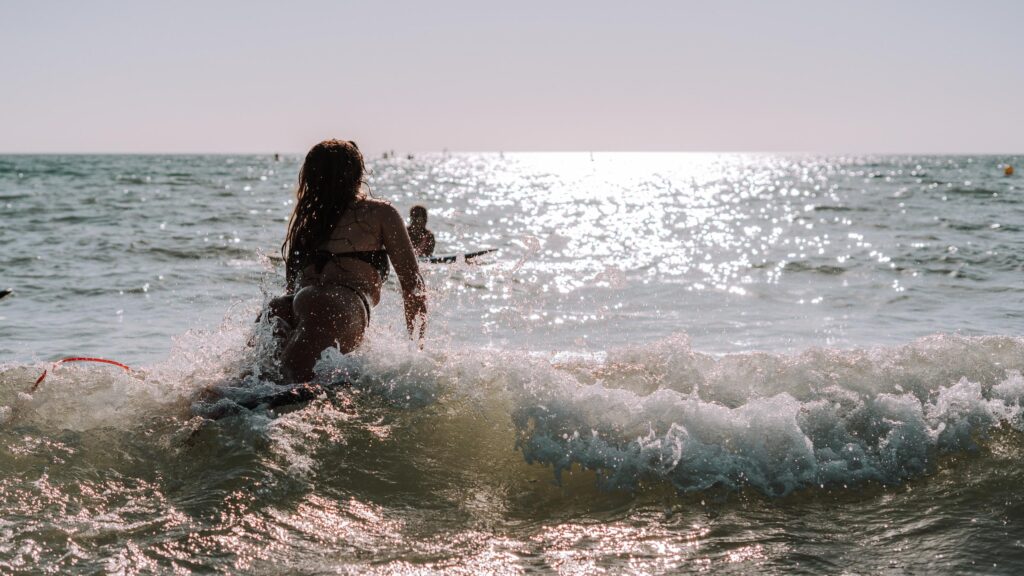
422 239
336 252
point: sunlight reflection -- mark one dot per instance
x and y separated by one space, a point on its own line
579 548
715 222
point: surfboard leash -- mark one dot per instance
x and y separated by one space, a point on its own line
54 365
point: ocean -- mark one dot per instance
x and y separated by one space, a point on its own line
674 363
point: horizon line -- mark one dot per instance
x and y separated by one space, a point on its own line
377 153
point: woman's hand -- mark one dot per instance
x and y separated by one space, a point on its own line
416 317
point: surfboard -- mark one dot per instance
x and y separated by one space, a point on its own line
439 259
453 258
212 407
298 394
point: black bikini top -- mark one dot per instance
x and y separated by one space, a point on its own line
376 258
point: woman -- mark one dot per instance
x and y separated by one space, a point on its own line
336 256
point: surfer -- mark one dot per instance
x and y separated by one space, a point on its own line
422 239
336 254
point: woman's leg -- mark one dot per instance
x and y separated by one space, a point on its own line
326 316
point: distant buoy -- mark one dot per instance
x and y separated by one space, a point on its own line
1008 170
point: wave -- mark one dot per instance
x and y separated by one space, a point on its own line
660 414
665 413
978 193
839 208
807 266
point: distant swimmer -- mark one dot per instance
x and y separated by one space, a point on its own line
1008 170
422 239
5 292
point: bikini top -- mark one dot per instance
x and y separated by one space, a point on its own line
376 258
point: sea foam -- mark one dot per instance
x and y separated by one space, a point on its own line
773 422
663 413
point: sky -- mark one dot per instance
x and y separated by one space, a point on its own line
251 76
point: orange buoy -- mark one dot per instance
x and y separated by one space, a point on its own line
1008 170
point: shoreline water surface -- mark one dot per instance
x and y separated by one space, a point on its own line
674 363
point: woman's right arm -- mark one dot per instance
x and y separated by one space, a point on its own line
403 258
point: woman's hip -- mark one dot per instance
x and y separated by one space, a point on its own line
331 302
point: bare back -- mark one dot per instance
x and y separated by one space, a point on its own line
368 225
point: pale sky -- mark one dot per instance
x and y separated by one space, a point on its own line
928 76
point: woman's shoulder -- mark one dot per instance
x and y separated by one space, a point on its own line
377 207
375 204
379 212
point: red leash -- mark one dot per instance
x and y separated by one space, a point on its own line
75 359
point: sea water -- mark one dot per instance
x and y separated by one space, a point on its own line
673 363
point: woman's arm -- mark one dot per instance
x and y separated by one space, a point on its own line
403 258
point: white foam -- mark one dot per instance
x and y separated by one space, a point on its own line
660 413
778 423
822 417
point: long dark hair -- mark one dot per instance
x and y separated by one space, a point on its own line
330 182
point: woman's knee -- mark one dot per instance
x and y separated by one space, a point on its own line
281 307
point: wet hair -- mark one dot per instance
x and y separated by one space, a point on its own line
330 182
418 212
